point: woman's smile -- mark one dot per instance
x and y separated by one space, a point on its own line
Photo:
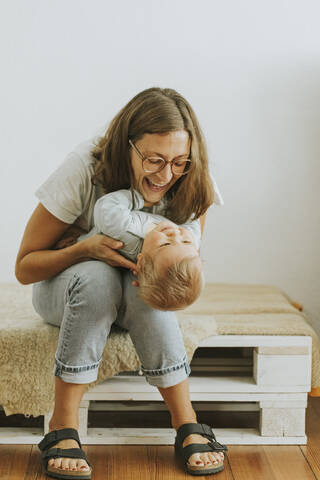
155 187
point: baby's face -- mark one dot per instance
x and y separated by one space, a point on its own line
168 243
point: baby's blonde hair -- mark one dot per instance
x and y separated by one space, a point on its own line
179 287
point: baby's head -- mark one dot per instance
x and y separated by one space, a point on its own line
169 268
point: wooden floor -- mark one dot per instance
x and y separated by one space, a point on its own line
22 462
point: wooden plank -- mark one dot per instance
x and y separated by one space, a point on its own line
148 436
198 407
282 421
249 463
269 463
256 341
34 470
18 436
283 370
283 403
136 388
283 350
288 463
13 461
127 462
204 397
165 436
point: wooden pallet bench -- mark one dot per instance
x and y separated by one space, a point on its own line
272 376
267 373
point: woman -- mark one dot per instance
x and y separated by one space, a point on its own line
84 297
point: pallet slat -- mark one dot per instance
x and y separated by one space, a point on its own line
154 436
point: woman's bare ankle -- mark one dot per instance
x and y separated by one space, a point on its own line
59 424
177 422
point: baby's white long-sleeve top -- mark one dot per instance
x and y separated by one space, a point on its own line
114 216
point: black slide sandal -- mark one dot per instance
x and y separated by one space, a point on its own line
51 439
185 452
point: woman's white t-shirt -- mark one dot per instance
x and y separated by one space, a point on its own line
68 192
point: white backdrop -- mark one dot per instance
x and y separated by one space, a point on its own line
251 71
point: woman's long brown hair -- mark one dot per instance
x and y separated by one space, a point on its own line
155 110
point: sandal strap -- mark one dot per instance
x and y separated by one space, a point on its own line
199 428
53 437
189 450
63 453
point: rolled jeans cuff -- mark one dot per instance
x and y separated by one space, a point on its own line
169 376
76 374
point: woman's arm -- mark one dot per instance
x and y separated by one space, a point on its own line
37 261
69 237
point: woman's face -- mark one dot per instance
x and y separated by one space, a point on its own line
153 186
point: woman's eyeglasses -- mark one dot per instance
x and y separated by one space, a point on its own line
156 164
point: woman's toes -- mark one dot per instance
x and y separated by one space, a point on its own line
65 463
73 464
196 459
206 459
82 465
215 457
57 462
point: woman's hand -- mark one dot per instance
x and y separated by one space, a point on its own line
103 248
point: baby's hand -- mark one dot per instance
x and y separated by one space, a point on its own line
135 283
158 226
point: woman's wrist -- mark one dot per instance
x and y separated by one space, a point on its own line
79 250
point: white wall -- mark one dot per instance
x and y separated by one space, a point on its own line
251 70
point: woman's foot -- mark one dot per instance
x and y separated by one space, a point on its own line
74 464
201 458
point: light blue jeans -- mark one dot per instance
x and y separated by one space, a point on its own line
84 301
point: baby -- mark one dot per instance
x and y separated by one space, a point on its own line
169 267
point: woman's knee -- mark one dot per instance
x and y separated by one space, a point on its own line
156 336
95 284
91 286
